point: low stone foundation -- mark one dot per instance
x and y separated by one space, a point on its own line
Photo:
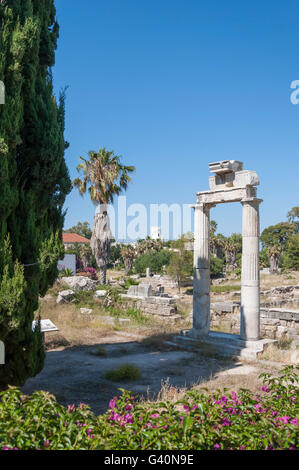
224 344
275 323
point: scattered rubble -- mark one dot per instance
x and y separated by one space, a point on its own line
80 283
65 296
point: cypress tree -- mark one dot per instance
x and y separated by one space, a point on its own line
34 179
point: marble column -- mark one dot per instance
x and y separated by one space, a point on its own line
201 280
250 288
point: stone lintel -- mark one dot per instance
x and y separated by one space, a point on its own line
221 196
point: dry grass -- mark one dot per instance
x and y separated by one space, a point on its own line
75 329
277 280
115 274
274 353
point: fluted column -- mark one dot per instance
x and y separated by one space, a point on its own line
250 289
201 279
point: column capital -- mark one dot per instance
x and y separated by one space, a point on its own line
252 200
202 205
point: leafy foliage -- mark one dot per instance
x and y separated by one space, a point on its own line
291 256
153 260
33 175
82 228
221 420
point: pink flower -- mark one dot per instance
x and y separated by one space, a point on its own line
128 418
187 409
128 407
194 407
46 443
112 403
294 421
226 422
70 408
217 446
156 415
114 416
284 419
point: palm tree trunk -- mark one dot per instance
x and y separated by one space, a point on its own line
273 263
101 241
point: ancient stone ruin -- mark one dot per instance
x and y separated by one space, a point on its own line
229 182
152 302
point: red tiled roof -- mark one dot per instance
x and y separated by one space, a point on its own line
73 238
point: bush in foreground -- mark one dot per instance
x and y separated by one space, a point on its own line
244 421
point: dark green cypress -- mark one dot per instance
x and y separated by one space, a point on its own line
34 179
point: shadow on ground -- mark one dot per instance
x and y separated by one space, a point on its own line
76 375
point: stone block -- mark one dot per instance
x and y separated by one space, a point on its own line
100 294
145 290
86 311
65 296
79 283
132 291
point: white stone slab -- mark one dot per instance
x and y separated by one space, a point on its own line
45 326
225 166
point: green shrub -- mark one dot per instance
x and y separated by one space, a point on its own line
153 260
66 272
100 351
201 421
130 282
137 316
217 266
123 373
84 298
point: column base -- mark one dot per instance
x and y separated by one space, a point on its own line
222 344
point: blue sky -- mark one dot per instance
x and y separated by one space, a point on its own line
172 85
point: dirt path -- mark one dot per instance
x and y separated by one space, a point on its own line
74 375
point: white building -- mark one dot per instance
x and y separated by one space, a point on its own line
156 233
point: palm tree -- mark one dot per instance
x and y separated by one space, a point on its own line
274 252
104 177
149 244
230 249
128 253
85 254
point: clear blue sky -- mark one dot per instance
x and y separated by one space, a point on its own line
172 85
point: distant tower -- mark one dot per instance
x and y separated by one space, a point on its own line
156 233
